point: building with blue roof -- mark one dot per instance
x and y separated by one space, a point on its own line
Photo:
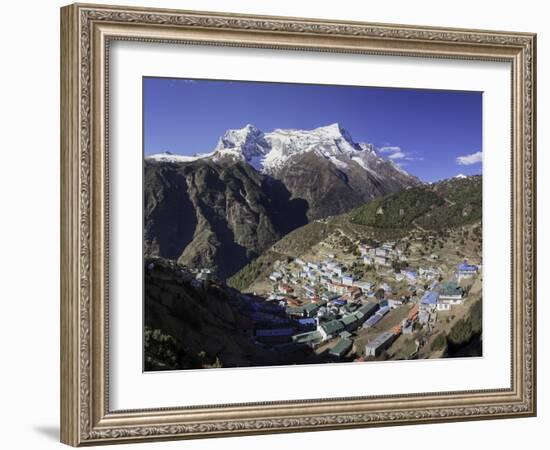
465 270
373 320
467 267
307 324
410 274
429 300
339 302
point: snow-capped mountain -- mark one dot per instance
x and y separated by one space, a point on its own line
271 152
174 158
248 144
323 166
256 187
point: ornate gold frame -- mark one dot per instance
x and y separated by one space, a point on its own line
86 31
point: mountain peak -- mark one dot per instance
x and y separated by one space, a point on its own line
331 127
246 143
334 131
235 138
175 158
272 152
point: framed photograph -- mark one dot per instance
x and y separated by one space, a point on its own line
278 224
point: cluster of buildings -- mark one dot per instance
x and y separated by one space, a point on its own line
311 279
327 302
442 297
382 255
312 303
354 316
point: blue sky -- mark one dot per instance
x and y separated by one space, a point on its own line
431 134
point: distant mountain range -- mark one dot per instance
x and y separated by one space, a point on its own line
222 209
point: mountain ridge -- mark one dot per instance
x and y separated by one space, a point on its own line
269 152
222 209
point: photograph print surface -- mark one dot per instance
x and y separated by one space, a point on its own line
302 224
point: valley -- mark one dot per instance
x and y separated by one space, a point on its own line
289 223
420 286
398 277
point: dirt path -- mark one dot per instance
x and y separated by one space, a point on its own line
419 227
449 202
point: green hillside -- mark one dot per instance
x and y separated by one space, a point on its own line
463 204
397 210
448 203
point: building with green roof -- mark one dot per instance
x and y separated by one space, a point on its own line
330 329
295 311
310 309
341 348
350 322
450 291
365 311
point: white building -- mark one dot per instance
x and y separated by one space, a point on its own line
347 280
381 261
276 276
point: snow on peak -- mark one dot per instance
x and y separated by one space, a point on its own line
246 143
461 176
331 141
367 148
334 131
235 138
399 168
270 152
171 157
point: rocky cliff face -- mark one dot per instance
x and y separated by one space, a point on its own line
323 166
215 215
331 189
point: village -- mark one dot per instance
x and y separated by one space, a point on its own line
356 306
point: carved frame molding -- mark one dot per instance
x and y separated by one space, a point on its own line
86 31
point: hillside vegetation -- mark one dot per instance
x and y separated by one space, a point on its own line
294 243
397 210
440 206
449 203
189 327
463 204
